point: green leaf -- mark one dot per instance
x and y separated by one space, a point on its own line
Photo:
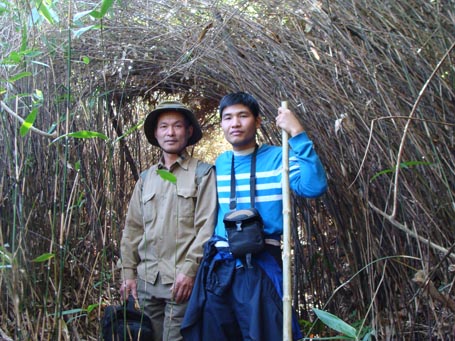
369 336
72 311
47 12
4 7
39 63
5 256
19 76
105 5
167 176
336 323
44 257
83 134
96 14
12 59
81 31
16 57
80 15
130 131
28 123
406 164
38 96
85 60
91 307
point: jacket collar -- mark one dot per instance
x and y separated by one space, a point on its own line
182 161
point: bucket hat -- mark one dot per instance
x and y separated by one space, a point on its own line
152 118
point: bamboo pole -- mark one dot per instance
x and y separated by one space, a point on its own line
287 294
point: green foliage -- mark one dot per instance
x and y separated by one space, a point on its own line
17 57
44 257
96 14
105 5
18 76
80 311
28 123
37 99
6 258
166 175
130 131
77 33
407 164
82 134
4 7
45 10
336 323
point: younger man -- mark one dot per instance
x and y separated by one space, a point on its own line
237 298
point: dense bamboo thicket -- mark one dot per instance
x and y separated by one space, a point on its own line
372 81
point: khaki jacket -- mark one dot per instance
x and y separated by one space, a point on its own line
167 224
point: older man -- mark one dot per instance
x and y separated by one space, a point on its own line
167 223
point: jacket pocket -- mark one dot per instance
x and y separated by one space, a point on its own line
149 207
186 201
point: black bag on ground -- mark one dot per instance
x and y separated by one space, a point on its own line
125 322
245 230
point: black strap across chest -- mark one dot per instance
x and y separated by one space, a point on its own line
232 197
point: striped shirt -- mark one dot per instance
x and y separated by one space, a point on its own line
306 176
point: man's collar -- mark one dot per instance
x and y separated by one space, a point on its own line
183 161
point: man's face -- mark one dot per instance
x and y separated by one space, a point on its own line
172 132
239 126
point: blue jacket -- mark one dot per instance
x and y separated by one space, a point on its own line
231 302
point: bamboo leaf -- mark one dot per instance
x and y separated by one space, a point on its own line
12 59
19 76
406 164
44 257
167 176
81 31
83 134
38 96
5 256
47 12
130 131
91 307
73 311
96 14
28 123
336 323
105 5
4 7
80 15
16 57
39 63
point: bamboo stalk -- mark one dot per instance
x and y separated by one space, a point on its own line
287 294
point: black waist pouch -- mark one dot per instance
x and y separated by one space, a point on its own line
245 230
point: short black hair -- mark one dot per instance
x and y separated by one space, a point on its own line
240 98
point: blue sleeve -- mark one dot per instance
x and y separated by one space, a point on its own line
306 174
